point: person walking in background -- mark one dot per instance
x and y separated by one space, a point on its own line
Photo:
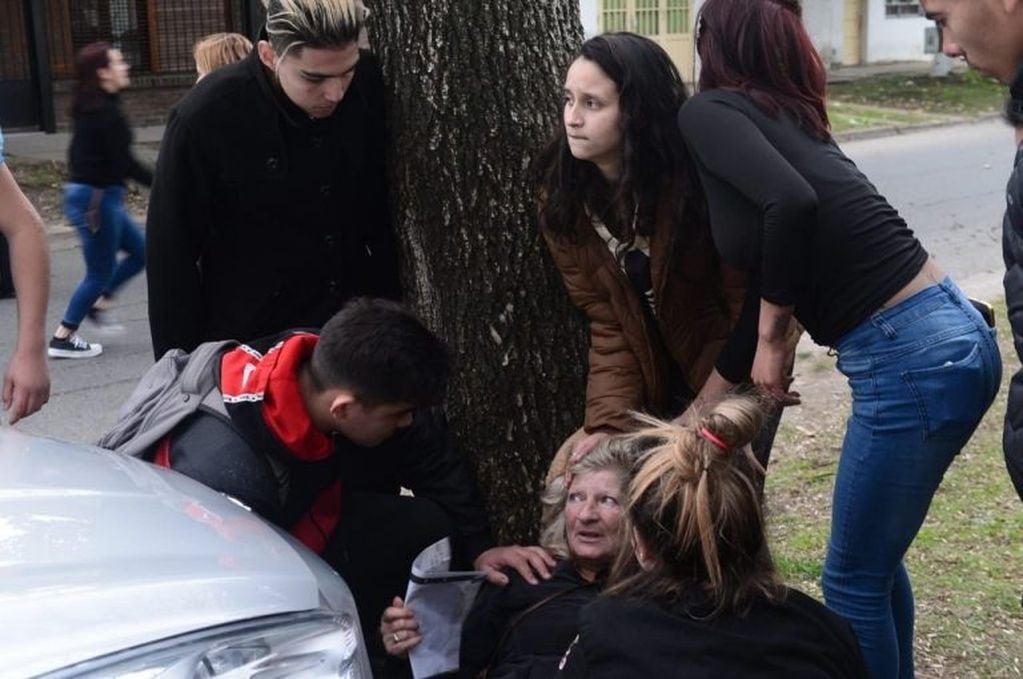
269 208
219 49
625 221
698 595
100 160
989 37
26 382
821 245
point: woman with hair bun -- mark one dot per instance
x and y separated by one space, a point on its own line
698 595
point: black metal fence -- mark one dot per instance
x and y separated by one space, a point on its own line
39 40
156 37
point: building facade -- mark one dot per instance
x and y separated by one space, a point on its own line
39 39
845 32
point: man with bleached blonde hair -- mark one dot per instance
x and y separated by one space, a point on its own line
269 207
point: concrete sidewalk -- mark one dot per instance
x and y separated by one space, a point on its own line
42 146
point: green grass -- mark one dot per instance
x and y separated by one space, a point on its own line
958 94
37 175
901 100
967 562
846 117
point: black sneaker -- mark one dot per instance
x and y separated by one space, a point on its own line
73 346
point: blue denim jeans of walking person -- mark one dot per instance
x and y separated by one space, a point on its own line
922 373
105 229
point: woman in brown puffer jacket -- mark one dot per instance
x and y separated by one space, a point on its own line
624 218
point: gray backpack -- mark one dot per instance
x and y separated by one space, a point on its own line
177 385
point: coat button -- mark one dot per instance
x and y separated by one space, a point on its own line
332 287
325 190
329 240
317 142
271 164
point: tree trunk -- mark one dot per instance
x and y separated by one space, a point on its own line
473 93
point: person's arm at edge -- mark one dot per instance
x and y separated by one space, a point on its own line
26 384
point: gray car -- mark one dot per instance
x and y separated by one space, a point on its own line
112 567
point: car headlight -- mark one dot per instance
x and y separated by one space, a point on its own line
304 645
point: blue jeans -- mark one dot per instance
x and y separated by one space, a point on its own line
922 373
105 229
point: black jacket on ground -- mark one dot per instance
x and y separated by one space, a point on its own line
796 638
1012 251
100 151
534 645
262 219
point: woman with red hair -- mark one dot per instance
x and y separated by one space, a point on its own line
821 245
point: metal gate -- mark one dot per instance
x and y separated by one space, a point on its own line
19 105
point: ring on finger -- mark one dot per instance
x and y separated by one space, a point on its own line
397 639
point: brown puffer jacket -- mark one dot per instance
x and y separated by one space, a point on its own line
698 301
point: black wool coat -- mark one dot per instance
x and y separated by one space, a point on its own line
262 219
1012 252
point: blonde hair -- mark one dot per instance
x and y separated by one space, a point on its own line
696 504
219 49
294 24
616 454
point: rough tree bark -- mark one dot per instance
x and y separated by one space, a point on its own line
474 90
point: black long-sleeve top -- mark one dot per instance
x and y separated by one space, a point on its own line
796 214
100 152
537 642
621 637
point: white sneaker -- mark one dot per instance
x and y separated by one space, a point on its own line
105 321
73 346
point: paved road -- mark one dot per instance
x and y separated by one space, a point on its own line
947 182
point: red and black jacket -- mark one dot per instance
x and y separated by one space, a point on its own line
271 457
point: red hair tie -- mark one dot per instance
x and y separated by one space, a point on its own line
713 438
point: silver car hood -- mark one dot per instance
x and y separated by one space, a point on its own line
101 552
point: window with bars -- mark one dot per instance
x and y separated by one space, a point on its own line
156 37
677 16
614 15
902 8
648 17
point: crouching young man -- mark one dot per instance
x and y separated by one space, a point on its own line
321 432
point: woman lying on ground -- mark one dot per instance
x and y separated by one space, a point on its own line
822 245
523 629
699 597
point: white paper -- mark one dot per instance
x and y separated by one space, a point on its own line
440 599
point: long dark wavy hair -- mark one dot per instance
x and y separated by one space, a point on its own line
87 95
654 159
761 48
